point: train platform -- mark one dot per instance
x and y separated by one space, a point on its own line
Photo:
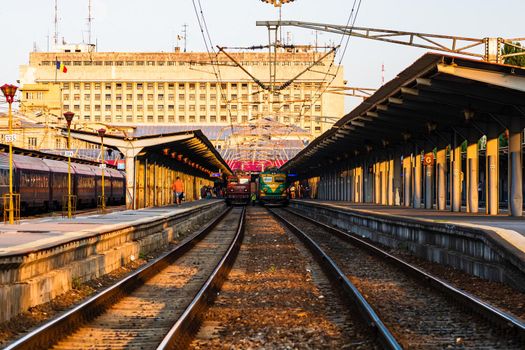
511 229
32 235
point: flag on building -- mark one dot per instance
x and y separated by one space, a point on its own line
61 67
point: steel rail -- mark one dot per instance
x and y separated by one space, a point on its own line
496 316
51 332
180 335
379 329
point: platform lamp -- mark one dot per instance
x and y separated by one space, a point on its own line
69 118
9 93
101 133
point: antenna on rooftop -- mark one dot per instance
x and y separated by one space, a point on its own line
185 35
89 19
56 23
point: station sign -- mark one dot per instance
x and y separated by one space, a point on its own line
216 175
9 138
102 166
68 154
121 164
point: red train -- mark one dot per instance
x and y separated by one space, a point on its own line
42 183
238 189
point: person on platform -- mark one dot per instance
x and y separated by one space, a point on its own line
178 190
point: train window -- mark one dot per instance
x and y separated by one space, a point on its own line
279 179
267 179
244 181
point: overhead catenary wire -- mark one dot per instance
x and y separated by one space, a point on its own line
353 15
213 58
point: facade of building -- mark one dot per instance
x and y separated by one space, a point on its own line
131 89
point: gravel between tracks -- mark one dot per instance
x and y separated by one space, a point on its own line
418 316
276 297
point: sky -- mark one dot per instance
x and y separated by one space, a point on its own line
133 25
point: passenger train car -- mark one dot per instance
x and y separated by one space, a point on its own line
42 183
238 189
272 187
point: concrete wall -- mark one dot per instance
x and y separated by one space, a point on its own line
478 252
35 278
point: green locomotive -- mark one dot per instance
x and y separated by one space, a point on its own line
273 188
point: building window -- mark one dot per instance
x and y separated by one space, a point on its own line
130 63
181 96
160 107
97 118
160 119
139 86
108 63
213 118
77 63
97 108
129 86
160 96
76 97
202 119
107 118
129 97
160 86
66 97
140 118
87 86
151 63
87 97
98 63
150 108
223 118
76 108
119 97
119 107
140 97
171 97
192 86
182 119
192 97
213 108
108 97
150 86
318 108
171 118
213 97
32 142
87 118
150 97
76 86
181 108
202 108
171 107
192 119
97 97
66 107
202 97
129 107
119 63
150 119
129 118
192 108
119 86
119 118
87 108
108 86
140 107
65 86
171 86
107 107
140 63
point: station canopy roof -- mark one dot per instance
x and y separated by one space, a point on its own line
191 147
435 97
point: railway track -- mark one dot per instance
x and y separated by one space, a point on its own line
158 306
419 310
278 297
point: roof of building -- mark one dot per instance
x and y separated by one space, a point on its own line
434 98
